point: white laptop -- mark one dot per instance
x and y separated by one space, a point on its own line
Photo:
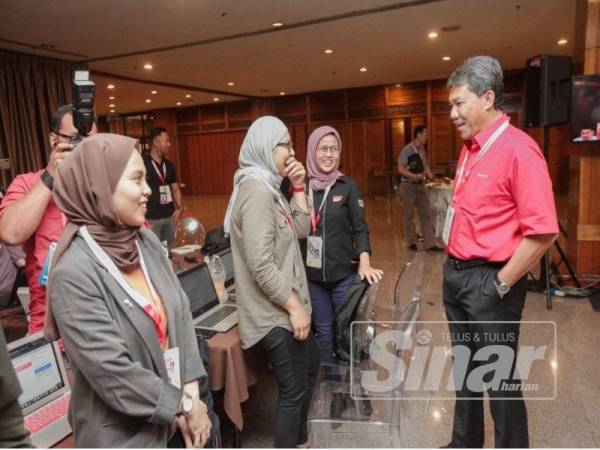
207 312
46 391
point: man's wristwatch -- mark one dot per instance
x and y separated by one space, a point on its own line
501 286
186 403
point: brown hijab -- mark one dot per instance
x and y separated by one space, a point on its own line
83 190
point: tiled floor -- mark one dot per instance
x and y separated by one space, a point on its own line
571 420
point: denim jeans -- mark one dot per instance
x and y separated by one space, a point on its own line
324 298
296 364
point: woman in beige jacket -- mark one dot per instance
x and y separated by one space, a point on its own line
273 301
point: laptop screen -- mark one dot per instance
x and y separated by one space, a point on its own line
227 260
198 286
38 371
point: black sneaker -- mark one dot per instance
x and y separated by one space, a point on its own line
412 247
435 248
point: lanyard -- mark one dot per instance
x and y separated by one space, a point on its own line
159 173
315 219
462 176
138 298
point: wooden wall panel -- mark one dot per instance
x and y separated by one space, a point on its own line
407 93
441 143
358 147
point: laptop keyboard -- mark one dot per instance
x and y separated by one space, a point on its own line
48 414
216 317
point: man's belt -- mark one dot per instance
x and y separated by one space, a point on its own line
459 264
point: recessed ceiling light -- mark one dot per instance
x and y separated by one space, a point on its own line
148 100
112 97
111 106
277 24
282 93
446 58
216 99
178 103
398 85
112 110
432 35
562 41
188 95
154 92
148 66
328 51
231 83
111 86
363 69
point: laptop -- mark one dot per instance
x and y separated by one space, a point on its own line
207 312
46 391
23 294
227 260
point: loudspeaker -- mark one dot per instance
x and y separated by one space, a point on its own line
547 90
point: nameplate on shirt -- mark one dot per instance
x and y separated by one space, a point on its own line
173 367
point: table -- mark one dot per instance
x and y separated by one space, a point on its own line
439 195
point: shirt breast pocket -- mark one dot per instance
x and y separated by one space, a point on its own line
486 192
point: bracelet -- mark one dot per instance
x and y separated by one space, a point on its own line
298 189
47 179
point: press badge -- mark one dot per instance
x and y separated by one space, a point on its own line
448 224
314 252
43 280
172 364
165 195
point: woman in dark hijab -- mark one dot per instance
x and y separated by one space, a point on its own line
119 308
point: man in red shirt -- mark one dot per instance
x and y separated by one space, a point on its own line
28 214
501 220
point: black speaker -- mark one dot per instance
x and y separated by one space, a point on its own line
547 90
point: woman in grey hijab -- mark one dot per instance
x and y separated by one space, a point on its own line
273 301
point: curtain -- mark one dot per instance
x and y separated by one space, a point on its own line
31 88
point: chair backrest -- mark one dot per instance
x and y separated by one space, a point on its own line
364 333
409 282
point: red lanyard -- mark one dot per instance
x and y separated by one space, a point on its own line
159 173
316 218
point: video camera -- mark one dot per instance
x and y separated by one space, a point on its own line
83 103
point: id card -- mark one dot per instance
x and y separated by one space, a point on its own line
172 364
43 279
165 195
448 224
314 252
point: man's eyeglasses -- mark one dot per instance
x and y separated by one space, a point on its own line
333 149
287 145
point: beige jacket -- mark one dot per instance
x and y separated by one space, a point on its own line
267 260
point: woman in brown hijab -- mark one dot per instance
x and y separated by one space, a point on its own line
119 308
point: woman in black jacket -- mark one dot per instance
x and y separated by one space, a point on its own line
338 244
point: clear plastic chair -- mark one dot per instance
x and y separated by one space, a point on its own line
349 412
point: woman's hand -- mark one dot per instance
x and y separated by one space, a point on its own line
196 425
366 271
298 317
295 171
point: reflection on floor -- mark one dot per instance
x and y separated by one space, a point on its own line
570 420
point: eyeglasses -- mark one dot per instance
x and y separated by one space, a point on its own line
287 145
67 138
333 149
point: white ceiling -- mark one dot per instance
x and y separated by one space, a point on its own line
392 43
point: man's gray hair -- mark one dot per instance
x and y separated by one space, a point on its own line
480 74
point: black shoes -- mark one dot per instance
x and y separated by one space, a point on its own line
435 248
413 247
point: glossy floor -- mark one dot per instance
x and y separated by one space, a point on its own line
572 419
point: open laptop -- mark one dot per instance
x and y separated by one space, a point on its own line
227 260
207 312
46 391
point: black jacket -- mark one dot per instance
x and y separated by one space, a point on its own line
344 230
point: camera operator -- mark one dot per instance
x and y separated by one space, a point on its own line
28 214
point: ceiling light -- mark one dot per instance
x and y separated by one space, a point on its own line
363 69
111 106
148 66
216 99
231 83
111 86
277 24
112 97
328 51
112 110
178 103
562 41
446 58
188 95
154 92
398 85
432 35
282 93
148 100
